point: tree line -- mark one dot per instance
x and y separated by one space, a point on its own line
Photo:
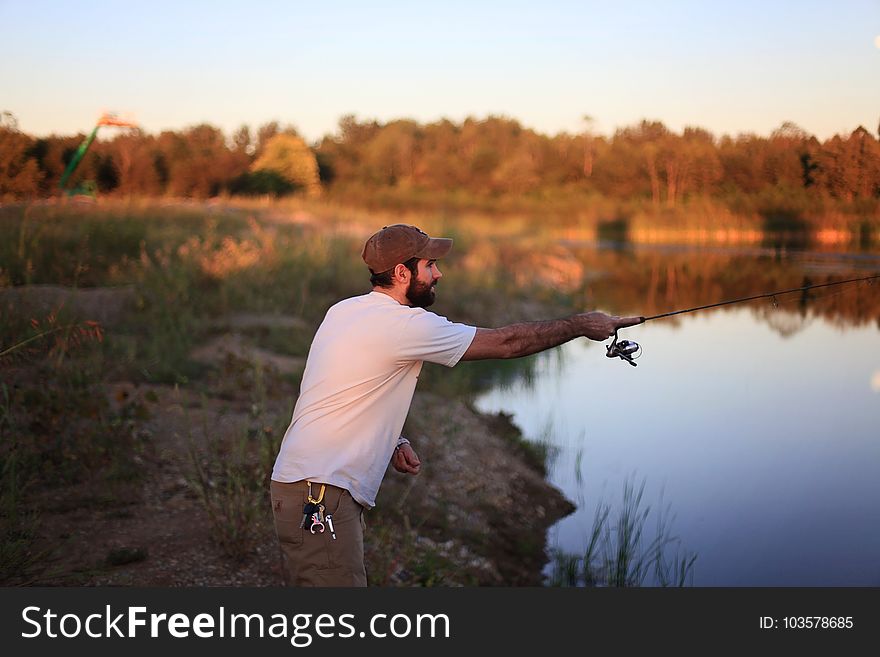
495 156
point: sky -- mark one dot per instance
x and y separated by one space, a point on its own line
730 67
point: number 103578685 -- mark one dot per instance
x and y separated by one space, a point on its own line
807 622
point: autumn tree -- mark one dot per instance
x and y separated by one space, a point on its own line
287 155
631 167
389 157
850 168
787 152
588 145
198 162
743 163
19 172
438 166
690 163
136 158
344 152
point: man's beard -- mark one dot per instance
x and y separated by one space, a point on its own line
420 295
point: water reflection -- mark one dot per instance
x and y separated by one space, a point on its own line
754 423
653 279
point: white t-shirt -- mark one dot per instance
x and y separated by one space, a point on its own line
356 390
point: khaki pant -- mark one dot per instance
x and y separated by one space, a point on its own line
317 559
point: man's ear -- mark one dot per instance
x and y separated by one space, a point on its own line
401 272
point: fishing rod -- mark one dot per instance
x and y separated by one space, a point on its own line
629 350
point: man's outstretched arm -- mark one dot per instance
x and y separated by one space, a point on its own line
527 338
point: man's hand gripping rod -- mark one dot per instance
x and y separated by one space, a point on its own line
624 349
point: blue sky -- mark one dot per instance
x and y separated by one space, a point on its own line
730 67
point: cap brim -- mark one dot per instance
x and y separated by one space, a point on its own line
437 247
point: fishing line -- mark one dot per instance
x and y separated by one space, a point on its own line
629 350
814 299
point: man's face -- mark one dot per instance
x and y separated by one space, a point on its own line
420 292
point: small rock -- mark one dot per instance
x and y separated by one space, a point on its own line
124 555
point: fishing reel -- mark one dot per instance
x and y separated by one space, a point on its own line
624 349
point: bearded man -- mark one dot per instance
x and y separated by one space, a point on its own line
356 391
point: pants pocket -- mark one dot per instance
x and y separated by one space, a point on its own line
287 514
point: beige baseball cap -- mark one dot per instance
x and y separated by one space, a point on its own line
396 244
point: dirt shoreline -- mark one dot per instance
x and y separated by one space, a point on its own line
477 515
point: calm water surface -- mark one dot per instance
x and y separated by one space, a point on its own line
758 427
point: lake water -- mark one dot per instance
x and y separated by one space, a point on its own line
757 426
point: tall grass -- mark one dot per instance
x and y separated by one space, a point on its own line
229 486
230 473
21 560
619 552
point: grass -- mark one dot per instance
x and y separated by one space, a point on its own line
21 560
620 553
230 489
230 473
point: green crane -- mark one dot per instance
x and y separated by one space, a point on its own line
88 188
